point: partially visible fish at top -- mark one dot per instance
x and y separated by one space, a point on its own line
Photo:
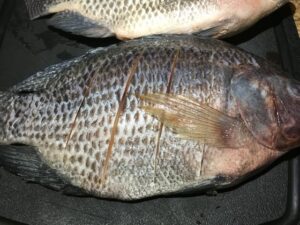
151 116
128 19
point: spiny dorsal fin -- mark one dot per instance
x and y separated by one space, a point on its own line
43 79
192 120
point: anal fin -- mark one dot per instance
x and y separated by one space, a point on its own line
76 23
193 120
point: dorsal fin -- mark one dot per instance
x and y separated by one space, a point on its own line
43 79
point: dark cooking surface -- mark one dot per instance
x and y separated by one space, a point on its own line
29 46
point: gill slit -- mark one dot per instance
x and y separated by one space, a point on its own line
85 93
132 71
161 126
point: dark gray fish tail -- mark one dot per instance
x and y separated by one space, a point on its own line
37 8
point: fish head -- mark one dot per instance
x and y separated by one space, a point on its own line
269 105
287 109
246 13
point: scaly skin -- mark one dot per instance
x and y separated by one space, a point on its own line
69 117
132 19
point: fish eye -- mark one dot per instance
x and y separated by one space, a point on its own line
294 88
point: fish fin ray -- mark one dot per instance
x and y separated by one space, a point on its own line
191 119
47 77
42 79
213 31
77 24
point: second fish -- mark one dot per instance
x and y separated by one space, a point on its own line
128 19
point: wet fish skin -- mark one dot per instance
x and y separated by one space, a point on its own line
277 123
68 113
131 19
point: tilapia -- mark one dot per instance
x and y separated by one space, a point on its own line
130 19
152 116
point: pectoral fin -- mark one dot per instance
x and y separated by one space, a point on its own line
214 31
193 120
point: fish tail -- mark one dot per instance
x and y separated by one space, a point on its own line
37 8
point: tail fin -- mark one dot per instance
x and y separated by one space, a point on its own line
37 8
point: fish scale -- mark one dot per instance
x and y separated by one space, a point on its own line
70 116
136 18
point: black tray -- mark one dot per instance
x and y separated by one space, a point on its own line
29 46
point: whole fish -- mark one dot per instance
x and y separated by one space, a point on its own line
149 117
128 19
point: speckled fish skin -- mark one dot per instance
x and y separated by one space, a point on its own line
41 112
135 18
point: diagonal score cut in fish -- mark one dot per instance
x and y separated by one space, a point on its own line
132 70
85 93
170 79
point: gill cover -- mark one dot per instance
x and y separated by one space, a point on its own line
256 102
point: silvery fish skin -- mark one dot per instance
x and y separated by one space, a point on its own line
130 19
154 116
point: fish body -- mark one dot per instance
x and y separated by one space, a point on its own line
131 19
154 116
